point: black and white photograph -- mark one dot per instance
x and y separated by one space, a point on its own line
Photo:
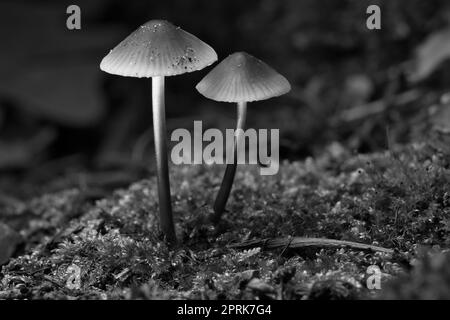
233 157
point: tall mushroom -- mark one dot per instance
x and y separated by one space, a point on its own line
159 49
239 78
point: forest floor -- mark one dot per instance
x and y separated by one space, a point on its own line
396 202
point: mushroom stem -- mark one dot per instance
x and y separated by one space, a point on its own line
160 132
230 171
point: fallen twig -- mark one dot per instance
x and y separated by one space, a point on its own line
299 242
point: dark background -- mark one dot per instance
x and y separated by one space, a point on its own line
350 85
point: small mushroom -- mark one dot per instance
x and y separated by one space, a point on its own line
159 49
239 78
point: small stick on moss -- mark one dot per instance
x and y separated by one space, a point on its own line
299 242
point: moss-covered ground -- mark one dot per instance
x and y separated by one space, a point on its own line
398 199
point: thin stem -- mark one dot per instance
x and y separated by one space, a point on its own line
160 132
230 171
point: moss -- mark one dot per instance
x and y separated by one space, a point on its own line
396 199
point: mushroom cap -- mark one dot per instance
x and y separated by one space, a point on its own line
158 48
242 77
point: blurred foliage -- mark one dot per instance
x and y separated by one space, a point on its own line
333 61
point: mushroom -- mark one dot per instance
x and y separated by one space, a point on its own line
158 49
239 78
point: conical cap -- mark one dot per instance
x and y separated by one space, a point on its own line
158 48
242 77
